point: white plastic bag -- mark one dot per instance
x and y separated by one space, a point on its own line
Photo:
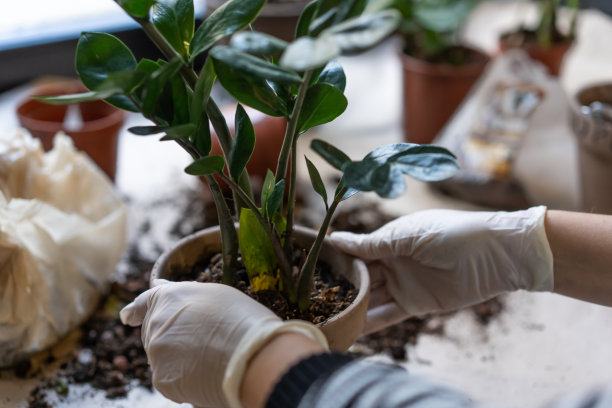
62 232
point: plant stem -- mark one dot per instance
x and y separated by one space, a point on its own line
283 261
290 130
307 271
291 202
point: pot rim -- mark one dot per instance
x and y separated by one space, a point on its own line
417 65
364 284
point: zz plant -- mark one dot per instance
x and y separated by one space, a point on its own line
300 81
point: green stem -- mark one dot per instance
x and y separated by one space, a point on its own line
229 238
290 130
291 202
307 271
283 262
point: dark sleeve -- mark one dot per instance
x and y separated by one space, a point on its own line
339 381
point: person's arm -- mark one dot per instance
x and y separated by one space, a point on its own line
581 244
271 363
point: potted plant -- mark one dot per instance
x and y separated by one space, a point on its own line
437 69
299 81
545 43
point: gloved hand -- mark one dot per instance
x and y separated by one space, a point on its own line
442 260
200 336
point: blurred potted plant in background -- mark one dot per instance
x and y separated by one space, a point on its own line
299 81
545 43
438 70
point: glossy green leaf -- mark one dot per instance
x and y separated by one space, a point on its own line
382 170
199 101
146 130
174 19
180 132
333 74
316 180
136 8
443 15
180 101
258 43
77 98
322 21
253 66
267 187
308 53
242 144
257 253
273 203
331 154
249 90
361 33
205 166
97 56
231 17
305 19
158 81
322 104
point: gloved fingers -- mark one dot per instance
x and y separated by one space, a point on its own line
378 297
377 277
134 313
363 246
383 316
158 282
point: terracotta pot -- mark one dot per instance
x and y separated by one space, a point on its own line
551 57
594 139
269 136
95 129
432 93
341 330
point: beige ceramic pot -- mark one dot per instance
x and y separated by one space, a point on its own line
341 330
594 137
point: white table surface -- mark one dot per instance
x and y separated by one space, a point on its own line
542 345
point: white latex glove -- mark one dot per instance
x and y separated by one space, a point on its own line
442 260
200 336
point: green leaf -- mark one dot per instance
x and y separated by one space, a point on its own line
305 19
174 19
146 130
382 170
332 155
361 33
77 98
443 16
136 8
322 21
180 132
333 74
258 43
205 166
253 66
316 180
242 144
257 253
99 55
180 100
157 82
249 90
273 202
322 104
308 53
199 101
267 187
232 16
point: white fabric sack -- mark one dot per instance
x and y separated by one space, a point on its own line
62 232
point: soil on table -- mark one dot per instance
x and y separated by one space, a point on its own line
109 356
